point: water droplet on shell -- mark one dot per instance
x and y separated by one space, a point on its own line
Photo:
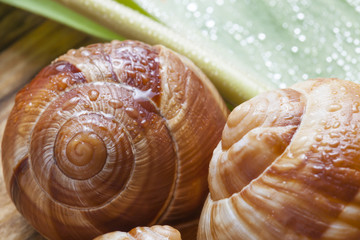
62 85
334 107
114 103
336 124
69 105
355 107
334 144
93 94
318 138
132 112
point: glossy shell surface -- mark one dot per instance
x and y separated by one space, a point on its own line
109 137
288 166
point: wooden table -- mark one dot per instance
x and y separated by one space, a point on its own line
27 43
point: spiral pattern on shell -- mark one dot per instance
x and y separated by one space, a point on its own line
110 137
288 166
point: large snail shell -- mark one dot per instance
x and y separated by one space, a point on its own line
156 232
110 137
288 166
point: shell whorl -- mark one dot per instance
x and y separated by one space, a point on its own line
288 166
156 232
103 139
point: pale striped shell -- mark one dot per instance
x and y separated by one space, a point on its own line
288 166
156 232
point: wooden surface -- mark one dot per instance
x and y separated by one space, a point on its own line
27 43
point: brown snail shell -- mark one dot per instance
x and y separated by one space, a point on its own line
109 137
156 232
288 166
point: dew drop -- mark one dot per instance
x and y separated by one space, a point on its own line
250 39
114 103
340 62
61 85
318 138
317 169
72 52
334 135
261 36
334 144
85 53
210 23
355 107
334 107
93 94
291 71
297 31
28 108
282 85
144 123
192 7
220 2
336 124
60 67
302 38
68 106
294 49
132 112
300 16
277 76
290 154
209 10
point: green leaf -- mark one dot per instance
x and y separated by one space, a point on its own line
133 5
59 13
282 41
243 46
235 84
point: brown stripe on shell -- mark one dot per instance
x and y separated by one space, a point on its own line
15 189
34 97
137 65
305 218
56 77
181 104
329 170
43 214
129 62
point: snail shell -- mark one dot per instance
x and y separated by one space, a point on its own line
109 137
156 232
288 166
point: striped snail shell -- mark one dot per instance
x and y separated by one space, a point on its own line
157 232
288 166
109 137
